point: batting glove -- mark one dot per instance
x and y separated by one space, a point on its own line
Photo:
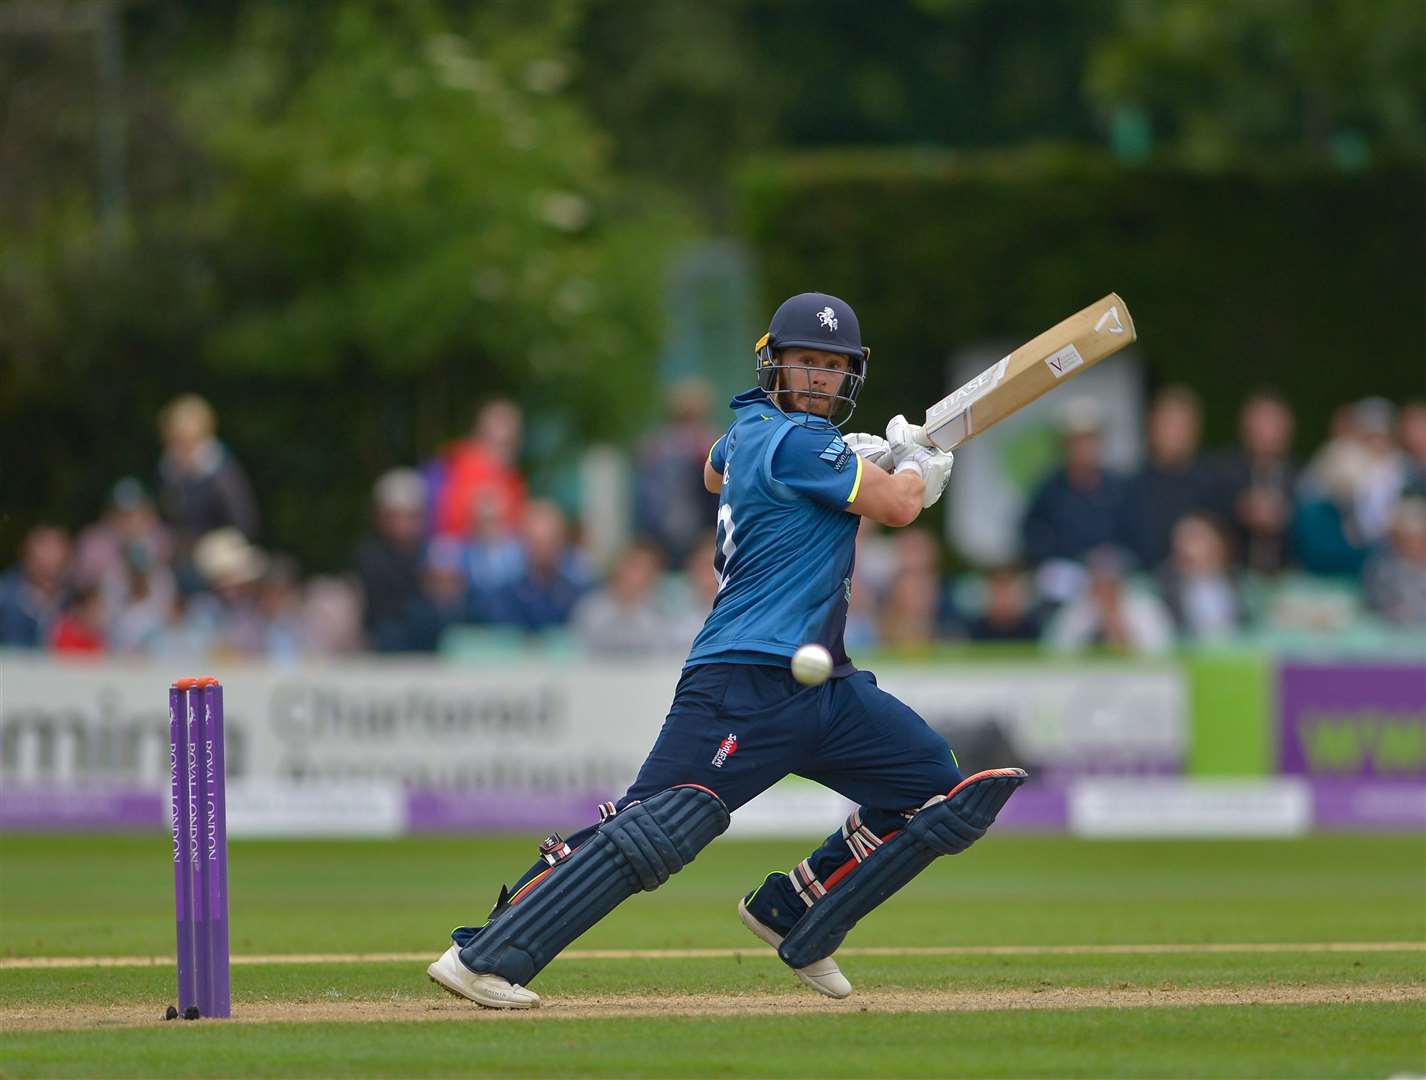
933 465
936 471
873 449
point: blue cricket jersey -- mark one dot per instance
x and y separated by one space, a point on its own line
785 543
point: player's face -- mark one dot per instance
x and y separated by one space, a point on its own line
809 380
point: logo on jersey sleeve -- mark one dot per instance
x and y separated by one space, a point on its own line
726 749
837 454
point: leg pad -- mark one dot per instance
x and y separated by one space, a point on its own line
946 825
638 848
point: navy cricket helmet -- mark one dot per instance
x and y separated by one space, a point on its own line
813 321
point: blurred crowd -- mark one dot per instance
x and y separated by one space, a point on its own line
1192 548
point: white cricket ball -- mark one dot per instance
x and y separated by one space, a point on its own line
811 665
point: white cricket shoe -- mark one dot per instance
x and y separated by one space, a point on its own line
492 991
824 976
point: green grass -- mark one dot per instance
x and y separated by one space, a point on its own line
88 896
1306 1041
758 969
75 896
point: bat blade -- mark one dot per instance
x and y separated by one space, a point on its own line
1063 352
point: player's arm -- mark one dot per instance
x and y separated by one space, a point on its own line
918 477
893 500
713 466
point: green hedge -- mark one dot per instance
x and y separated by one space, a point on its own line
1311 282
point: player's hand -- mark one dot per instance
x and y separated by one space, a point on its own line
873 448
936 471
902 446
933 465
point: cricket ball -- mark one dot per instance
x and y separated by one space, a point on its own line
811 665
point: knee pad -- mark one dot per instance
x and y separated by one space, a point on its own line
637 849
946 825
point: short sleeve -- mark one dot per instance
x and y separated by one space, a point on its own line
718 453
818 464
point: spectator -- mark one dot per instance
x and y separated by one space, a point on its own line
877 564
444 601
876 560
699 589
32 592
1079 506
129 533
188 632
623 618
1197 583
1385 471
202 488
138 598
1395 578
1325 535
1413 441
862 629
330 617
388 562
909 615
1173 482
1111 614
917 553
1259 479
478 476
279 605
494 558
1007 613
1342 454
80 628
1076 508
671 505
231 568
551 582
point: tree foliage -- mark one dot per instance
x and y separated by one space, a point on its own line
1306 280
345 222
389 212
1226 83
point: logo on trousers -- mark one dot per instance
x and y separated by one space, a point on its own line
726 749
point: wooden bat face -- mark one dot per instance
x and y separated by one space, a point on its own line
1061 353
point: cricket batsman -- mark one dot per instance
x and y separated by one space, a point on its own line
792 492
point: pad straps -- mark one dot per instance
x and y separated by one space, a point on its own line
639 848
946 825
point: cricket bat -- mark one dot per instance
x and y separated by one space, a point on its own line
1063 352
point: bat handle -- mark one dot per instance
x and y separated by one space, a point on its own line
918 434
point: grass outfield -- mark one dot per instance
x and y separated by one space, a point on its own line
736 1010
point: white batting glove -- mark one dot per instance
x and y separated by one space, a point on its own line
903 447
933 465
936 471
873 449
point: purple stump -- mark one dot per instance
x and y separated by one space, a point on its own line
183 899
217 984
195 864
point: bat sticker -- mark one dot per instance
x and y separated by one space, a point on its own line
1063 362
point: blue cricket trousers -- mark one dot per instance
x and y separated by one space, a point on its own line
737 729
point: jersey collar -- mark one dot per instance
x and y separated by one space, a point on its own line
757 397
